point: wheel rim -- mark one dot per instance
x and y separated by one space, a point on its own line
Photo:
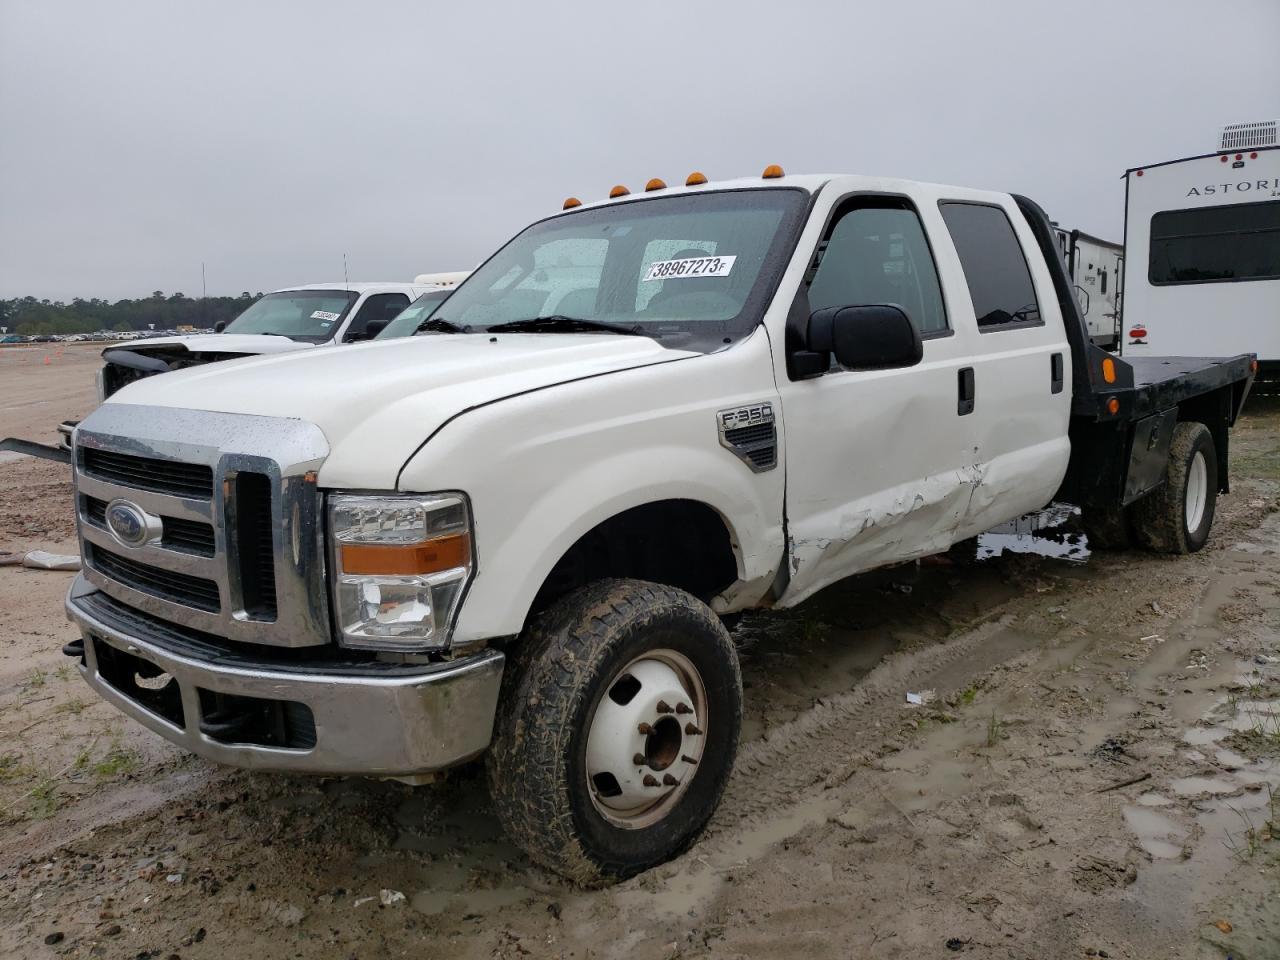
646 738
1197 491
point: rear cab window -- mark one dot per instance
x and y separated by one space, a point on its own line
995 267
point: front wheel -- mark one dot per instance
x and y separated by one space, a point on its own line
617 730
1177 516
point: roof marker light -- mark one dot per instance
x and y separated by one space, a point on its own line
618 191
772 172
570 203
696 179
1239 156
655 184
1254 155
1224 158
1139 173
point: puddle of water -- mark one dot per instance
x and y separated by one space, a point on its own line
469 901
1154 800
1194 786
1037 533
1204 736
1157 834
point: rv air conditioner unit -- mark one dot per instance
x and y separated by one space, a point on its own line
1249 136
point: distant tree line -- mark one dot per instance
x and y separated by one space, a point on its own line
28 316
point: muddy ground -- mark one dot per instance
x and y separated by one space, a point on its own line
1093 778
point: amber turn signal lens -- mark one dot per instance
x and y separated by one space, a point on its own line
410 559
772 172
655 184
618 191
1109 370
696 179
1253 366
571 202
1113 406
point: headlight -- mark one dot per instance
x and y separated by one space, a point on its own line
400 566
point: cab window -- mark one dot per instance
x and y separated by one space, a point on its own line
876 252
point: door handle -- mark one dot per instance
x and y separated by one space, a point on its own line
964 381
1055 373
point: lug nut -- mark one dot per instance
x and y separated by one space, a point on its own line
691 730
645 729
688 759
683 708
650 780
663 707
638 759
669 780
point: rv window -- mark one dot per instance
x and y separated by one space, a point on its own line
995 269
1235 242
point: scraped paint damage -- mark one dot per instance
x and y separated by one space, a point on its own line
911 521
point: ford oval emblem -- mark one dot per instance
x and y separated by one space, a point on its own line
128 523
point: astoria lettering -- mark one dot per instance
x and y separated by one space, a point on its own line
1242 187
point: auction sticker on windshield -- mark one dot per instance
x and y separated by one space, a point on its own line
324 315
690 267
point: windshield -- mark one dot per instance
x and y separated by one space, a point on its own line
406 322
310 315
693 268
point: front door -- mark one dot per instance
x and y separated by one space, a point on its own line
880 464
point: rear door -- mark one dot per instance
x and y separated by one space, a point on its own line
880 463
1021 363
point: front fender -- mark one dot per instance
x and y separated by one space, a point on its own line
545 468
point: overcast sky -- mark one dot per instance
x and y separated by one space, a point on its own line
138 139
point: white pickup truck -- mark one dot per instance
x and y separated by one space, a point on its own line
518 531
294 318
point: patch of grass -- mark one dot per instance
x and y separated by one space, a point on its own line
119 760
967 696
75 706
42 802
83 758
63 673
10 767
37 679
995 730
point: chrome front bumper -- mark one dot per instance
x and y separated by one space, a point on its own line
399 722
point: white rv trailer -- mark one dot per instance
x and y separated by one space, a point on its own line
1096 269
1202 240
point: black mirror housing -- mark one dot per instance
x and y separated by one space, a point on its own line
220 326
373 328
875 337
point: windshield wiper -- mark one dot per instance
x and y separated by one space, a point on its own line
439 326
559 323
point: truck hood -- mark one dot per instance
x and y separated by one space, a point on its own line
378 402
245 344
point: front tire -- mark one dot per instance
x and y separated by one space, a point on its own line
617 729
1177 517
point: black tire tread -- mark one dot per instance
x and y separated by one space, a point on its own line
1159 518
543 686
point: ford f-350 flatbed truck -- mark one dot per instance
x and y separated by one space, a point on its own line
519 539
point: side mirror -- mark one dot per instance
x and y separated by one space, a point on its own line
373 328
220 326
877 337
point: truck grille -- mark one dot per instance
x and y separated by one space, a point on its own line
191 591
148 473
189 536
232 545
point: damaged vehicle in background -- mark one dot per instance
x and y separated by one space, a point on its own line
518 532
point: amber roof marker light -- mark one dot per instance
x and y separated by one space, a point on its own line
618 191
655 184
696 179
772 172
571 202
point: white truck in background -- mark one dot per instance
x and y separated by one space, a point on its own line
283 321
1096 269
1202 245
518 532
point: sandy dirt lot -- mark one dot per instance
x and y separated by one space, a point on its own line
1099 774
